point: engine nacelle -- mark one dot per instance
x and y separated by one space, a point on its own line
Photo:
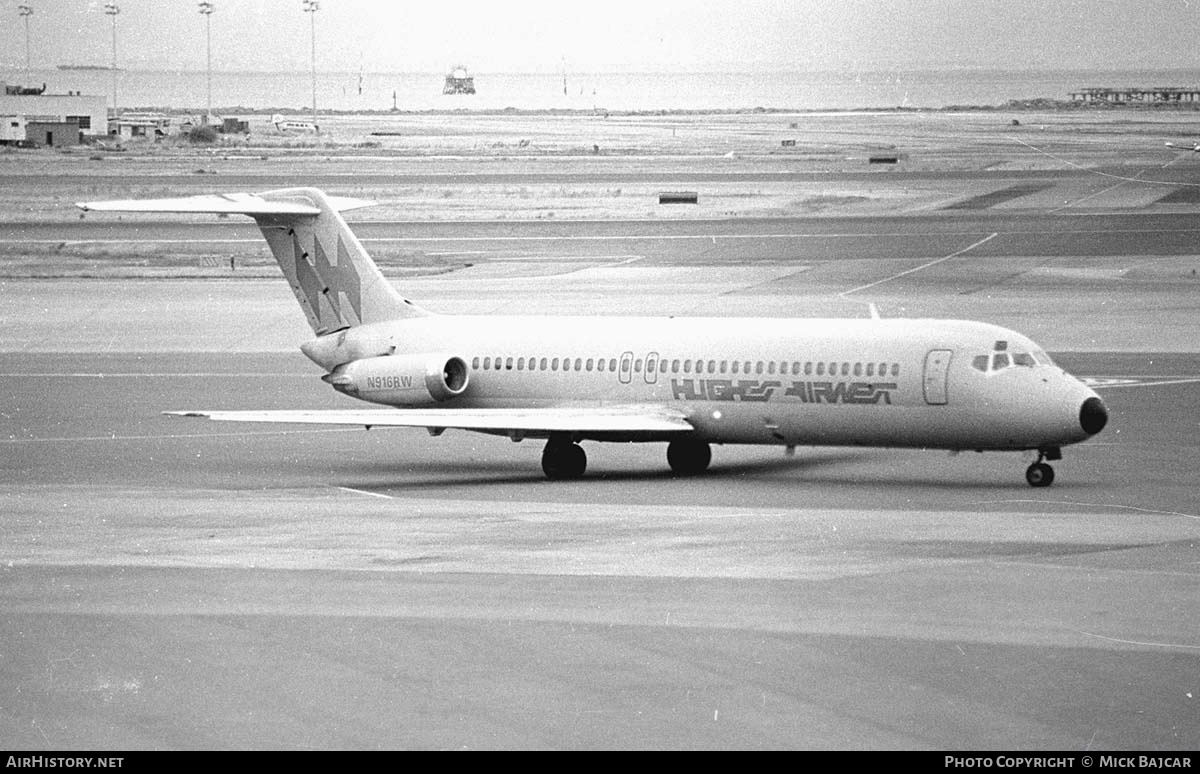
402 380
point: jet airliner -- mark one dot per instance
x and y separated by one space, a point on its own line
687 382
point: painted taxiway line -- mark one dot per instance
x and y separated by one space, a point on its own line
352 490
1103 383
922 267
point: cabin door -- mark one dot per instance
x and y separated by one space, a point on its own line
651 368
626 372
937 372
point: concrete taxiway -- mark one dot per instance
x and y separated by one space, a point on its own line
180 584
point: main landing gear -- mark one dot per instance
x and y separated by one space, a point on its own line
563 459
687 458
1040 474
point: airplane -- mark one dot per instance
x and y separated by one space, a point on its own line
689 382
1194 147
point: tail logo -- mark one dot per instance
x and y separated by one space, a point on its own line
336 283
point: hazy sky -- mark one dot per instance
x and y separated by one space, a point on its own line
627 35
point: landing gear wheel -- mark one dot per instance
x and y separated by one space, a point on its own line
563 461
687 458
1039 474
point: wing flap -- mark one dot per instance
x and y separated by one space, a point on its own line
579 420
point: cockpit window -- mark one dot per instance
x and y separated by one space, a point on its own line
1001 359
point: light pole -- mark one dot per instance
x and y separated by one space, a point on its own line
311 7
112 10
26 11
207 10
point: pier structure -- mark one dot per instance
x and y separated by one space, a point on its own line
1132 95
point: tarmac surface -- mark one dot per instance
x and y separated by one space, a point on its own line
174 584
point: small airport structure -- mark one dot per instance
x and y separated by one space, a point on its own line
51 119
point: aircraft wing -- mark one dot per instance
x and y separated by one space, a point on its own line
533 420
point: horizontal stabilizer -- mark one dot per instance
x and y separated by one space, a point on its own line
226 204
547 420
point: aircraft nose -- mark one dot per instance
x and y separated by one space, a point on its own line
1093 416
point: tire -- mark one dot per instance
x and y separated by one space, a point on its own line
1039 474
563 462
688 458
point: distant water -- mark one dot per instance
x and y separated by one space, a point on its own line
839 90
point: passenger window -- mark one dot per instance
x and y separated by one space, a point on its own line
883 369
870 369
712 366
498 363
542 365
736 363
475 363
674 366
554 364
724 366
980 363
508 364
820 369
600 365
808 368
487 363
687 366
758 367
845 369
796 368
637 366
590 363
771 367
895 370
521 364
662 366
858 369
746 368
578 364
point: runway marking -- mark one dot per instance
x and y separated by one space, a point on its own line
1155 511
362 491
916 269
1136 642
172 436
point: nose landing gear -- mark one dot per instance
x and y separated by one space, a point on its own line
1040 474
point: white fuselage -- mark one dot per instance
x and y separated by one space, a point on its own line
871 382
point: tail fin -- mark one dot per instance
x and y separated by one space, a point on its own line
334 279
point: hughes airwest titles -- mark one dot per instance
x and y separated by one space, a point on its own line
687 382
